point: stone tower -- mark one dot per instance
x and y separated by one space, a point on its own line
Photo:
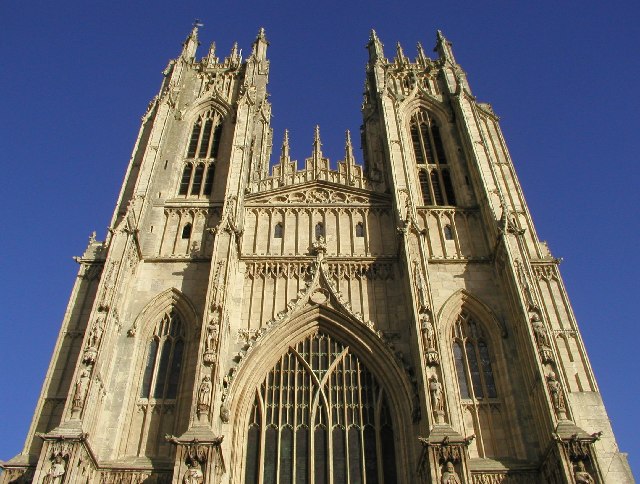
393 322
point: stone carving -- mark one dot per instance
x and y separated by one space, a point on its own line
319 247
56 472
581 475
542 338
194 473
80 391
93 340
211 341
429 340
557 395
224 413
450 476
204 396
437 399
421 286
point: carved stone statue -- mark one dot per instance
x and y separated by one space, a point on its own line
450 476
539 331
581 475
435 387
212 337
204 395
557 396
80 392
56 472
194 474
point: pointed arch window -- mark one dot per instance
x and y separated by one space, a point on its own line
206 135
431 159
319 230
277 231
483 410
320 412
359 229
163 361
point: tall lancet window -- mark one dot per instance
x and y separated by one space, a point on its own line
482 408
431 160
163 361
320 416
202 151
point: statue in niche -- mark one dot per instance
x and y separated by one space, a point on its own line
194 474
80 392
95 334
539 331
450 476
428 332
437 400
57 471
557 397
204 395
581 475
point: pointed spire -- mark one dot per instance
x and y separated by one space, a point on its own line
190 45
375 47
443 48
421 56
234 50
348 149
400 57
211 56
317 145
284 151
259 48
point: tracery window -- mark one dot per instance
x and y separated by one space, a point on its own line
320 414
482 408
431 158
205 136
163 360
202 151
157 397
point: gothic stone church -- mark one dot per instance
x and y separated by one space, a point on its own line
396 322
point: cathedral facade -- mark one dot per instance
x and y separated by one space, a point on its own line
396 322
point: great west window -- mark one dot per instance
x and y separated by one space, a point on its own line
320 414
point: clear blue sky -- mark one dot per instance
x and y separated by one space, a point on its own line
77 76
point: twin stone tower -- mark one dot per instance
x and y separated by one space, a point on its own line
393 322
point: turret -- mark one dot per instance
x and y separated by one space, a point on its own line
443 48
375 48
259 47
190 45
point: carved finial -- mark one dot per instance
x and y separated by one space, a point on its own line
212 52
443 48
348 149
259 49
317 145
421 54
375 47
234 50
284 152
191 44
400 57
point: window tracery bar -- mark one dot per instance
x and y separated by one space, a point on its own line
319 380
